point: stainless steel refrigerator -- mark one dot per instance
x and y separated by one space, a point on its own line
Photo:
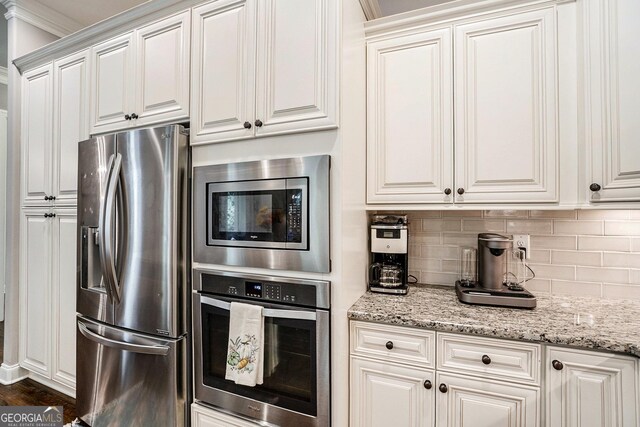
132 278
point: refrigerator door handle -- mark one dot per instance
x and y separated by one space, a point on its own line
106 228
266 312
157 350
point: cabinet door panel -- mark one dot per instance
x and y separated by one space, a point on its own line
163 70
612 98
35 324
223 70
36 135
505 114
70 122
390 395
64 299
112 90
409 120
472 402
591 390
296 68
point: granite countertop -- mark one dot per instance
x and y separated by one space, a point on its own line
615 323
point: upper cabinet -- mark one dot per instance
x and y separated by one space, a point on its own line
142 77
262 68
611 67
502 84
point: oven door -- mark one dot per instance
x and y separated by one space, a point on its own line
296 383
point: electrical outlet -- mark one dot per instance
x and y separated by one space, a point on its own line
523 241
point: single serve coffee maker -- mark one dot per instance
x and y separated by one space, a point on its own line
501 273
389 255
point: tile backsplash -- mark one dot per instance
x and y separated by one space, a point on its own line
575 252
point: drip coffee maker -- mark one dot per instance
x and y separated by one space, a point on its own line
389 255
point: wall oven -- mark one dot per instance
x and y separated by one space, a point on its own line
296 387
268 214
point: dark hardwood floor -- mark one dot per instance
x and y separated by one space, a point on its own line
30 393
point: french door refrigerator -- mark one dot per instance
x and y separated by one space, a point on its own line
132 278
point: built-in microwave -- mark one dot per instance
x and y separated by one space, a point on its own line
267 214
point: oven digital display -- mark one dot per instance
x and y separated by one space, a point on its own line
253 289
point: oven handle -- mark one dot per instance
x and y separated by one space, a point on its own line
266 312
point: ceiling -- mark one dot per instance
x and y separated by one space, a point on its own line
88 12
391 7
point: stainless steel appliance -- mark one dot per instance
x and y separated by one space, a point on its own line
132 271
296 387
269 214
495 284
388 272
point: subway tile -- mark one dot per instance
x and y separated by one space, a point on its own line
577 258
425 238
451 266
613 291
621 259
441 225
434 278
603 214
540 256
586 243
413 249
634 277
529 226
505 214
417 215
458 213
439 252
482 225
578 227
423 264
554 242
635 245
553 214
545 271
460 239
537 286
622 228
563 287
610 275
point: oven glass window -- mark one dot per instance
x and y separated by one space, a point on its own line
289 360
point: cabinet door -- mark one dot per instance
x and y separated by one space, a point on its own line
162 70
612 98
223 71
206 417
112 84
35 295
64 297
70 123
469 402
384 394
591 389
36 135
505 109
409 119
296 69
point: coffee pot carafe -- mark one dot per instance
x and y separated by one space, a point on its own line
385 275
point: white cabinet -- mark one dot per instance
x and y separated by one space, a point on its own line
48 295
142 77
612 99
489 113
206 417
588 389
466 401
409 118
262 68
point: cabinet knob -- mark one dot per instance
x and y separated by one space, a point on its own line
557 365
134 116
127 117
447 191
46 197
53 215
247 125
52 197
46 215
259 123
443 388
595 187
427 384
389 345
461 191
486 359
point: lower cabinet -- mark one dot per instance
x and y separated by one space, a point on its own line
48 296
206 417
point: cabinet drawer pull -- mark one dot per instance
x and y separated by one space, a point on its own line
443 388
557 365
247 125
486 359
127 117
427 384
595 187
447 191
259 123
461 191
389 345
134 116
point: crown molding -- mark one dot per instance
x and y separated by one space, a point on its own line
4 76
41 16
371 9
